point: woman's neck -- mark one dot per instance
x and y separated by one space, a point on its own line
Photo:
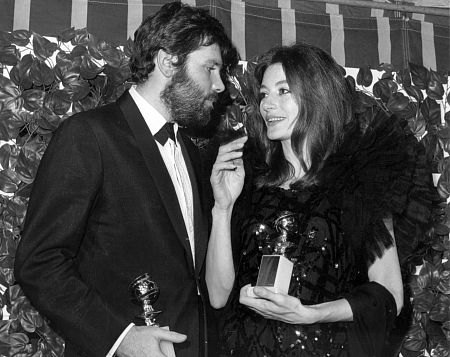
292 158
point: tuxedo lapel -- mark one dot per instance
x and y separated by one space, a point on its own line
156 168
200 228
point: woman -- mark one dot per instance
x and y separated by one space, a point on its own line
339 184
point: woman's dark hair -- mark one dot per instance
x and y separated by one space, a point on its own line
179 30
325 107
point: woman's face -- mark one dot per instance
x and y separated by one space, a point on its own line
278 106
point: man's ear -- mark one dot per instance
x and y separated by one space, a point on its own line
165 62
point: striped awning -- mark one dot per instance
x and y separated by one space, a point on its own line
355 36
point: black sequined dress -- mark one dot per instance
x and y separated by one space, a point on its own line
340 229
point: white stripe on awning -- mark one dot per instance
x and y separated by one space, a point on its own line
21 15
79 14
238 26
337 33
288 30
135 13
428 49
384 35
190 2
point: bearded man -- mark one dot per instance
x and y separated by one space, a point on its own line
118 195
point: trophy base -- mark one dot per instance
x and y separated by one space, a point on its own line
275 273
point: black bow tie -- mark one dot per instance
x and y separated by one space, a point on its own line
165 133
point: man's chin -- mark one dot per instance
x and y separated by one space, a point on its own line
195 124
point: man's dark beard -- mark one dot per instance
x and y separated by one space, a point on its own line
185 101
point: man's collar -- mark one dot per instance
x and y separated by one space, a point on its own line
154 119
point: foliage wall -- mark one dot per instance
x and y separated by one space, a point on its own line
45 81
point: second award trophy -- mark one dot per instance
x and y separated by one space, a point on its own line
275 269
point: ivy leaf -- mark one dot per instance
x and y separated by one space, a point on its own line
30 319
29 159
5 154
21 37
435 90
411 111
113 57
42 47
58 101
5 38
128 48
10 94
419 75
382 89
78 51
93 47
440 311
415 339
9 55
404 77
387 75
423 301
387 67
89 69
81 37
428 275
78 89
441 229
397 102
444 284
86 103
68 74
444 164
41 74
417 126
33 99
438 76
431 111
443 186
414 92
9 181
19 343
10 124
351 82
67 35
364 76
117 76
63 60
20 73
47 120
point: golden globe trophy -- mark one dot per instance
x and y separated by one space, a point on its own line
146 292
275 269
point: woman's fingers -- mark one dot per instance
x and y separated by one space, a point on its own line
237 144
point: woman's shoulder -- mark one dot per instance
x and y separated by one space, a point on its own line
379 171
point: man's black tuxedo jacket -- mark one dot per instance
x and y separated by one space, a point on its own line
104 211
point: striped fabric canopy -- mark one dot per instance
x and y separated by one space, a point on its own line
355 36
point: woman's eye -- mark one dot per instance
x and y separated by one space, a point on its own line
284 91
262 96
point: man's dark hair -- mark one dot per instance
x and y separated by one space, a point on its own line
178 29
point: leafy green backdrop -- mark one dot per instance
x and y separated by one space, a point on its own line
44 81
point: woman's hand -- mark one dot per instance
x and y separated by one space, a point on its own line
277 306
227 176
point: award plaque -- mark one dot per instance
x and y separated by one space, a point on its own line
275 269
146 292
